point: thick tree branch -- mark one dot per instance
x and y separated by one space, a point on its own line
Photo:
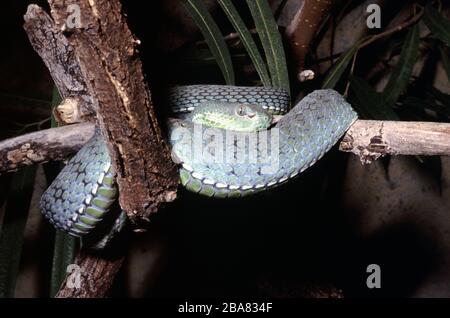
107 55
59 57
371 139
42 146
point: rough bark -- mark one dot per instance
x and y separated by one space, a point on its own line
371 139
95 277
42 146
58 55
106 51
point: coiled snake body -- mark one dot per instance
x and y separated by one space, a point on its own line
219 155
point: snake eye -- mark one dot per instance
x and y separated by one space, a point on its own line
241 111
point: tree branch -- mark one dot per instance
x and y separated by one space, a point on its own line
371 139
106 51
58 55
51 144
96 277
303 28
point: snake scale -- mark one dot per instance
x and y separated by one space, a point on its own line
234 161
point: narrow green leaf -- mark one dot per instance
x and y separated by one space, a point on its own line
63 256
399 80
12 231
438 25
339 68
51 169
271 40
64 247
247 40
445 61
213 37
370 102
56 100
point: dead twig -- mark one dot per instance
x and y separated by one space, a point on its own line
371 139
45 145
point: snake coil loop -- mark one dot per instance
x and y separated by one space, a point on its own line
81 195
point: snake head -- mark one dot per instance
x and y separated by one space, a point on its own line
232 116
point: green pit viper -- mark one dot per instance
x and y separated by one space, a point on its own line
242 155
